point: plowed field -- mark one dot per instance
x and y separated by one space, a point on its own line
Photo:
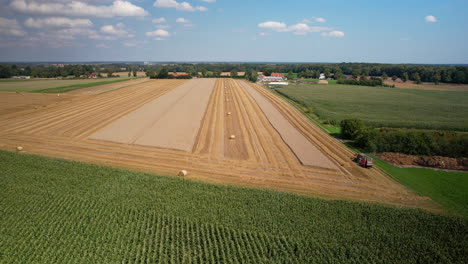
263 153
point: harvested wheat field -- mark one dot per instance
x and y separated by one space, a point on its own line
222 131
11 102
106 87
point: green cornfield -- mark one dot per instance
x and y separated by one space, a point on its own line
383 106
58 211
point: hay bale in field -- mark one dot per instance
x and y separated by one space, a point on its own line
228 113
19 148
232 137
183 173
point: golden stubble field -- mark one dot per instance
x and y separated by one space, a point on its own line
275 146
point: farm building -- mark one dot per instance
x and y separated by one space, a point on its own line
177 74
278 83
275 77
92 76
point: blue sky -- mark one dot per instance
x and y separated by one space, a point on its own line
411 31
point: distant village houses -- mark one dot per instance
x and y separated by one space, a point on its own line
275 77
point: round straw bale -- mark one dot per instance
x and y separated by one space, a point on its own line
232 137
183 173
19 148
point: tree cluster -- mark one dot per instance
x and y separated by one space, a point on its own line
426 143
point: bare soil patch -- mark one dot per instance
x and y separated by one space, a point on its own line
432 162
429 86
306 152
172 121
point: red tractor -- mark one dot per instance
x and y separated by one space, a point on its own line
363 160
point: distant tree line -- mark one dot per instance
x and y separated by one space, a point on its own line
373 81
413 72
67 70
425 143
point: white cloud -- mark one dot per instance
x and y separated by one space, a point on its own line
431 19
11 27
209 1
181 6
159 20
182 20
57 22
314 20
117 30
102 45
163 26
277 26
119 8
335 34
158 33
264 34
320 20
134 43
298 29
159 39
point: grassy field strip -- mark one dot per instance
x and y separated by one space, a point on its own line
54 86
448 188
56 211
64 89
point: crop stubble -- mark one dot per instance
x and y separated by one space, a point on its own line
258 156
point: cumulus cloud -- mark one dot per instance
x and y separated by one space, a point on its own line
11 27
320 20
209 1
102 46
181 6
134 43
431 19
159 20
277 26
182 20
57 22
298 29
162 26
334 34
159 33
119 8
117 30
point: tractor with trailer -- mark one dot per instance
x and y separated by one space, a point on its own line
364 161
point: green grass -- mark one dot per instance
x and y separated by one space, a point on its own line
385 107
57 211
53 86
448 188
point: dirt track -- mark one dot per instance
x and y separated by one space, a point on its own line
258 156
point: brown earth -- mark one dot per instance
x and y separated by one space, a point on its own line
428 86
11 102
257 157
172 121
106 87
434 161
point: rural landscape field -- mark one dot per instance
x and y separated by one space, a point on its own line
213 131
